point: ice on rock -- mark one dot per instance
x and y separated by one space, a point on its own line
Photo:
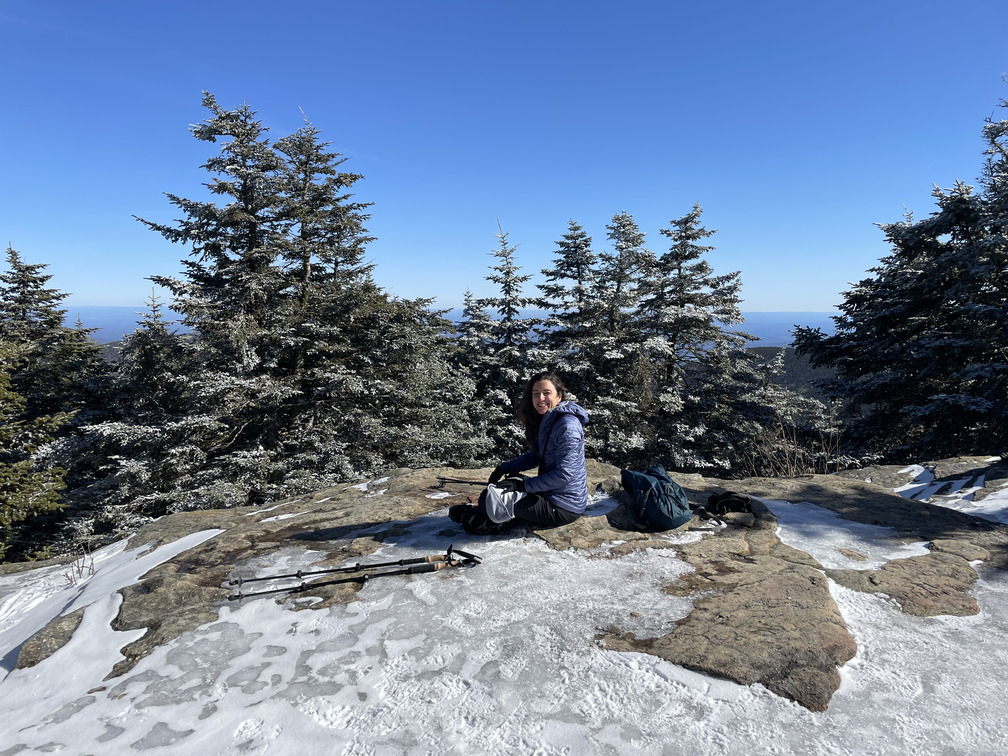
802 525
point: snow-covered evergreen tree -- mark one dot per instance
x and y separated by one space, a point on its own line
28 490
59 381
501 363
621 271
415 410
59 369
474 350
475 331
144 453
229 298
328 296
616 382
567 297
369 369
715 407
919 348
327 236
303 372
700 368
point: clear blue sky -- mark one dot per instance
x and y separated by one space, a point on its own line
797 126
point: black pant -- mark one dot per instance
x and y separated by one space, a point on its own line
534 509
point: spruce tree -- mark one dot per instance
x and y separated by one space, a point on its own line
714 407
327 236
302 370
413 417
59 382
567 297
501 365
329 288
919 347
59 369
28 489
473 353
147 449
233 299
616 382
369 369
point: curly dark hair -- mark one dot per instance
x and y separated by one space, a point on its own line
526 413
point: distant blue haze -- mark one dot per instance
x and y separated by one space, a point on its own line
771 328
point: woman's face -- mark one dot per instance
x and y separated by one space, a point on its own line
545 396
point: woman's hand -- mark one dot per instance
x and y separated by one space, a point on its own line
496 475
512 484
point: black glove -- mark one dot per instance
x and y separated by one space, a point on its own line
497 474
512 484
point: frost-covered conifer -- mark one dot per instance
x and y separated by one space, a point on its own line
700 369
229 298
303 372
919 347
713 407
59 369
27 489
568 299
615 383
60 381
473 351
499 361
147 452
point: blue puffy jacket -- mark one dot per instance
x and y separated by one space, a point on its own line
559 453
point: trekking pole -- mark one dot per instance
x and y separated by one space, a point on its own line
239 581
361 578
465 557
442 480
453 558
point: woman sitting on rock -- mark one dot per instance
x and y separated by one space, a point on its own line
558 494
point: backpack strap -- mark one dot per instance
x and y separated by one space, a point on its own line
729 501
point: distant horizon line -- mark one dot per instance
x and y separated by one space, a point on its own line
110 323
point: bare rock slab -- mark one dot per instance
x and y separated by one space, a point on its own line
925 586
764 615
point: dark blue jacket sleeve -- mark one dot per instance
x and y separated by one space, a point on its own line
526 461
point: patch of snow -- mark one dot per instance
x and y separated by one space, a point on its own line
994 506
362 487
261 511
921 474
428 663
276 518
958 494
28 601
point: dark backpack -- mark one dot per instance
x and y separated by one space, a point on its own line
656 501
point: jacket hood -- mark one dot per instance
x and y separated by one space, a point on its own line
567 407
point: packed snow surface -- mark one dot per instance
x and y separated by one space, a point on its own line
500 658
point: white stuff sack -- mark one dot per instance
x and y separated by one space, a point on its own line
500 503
